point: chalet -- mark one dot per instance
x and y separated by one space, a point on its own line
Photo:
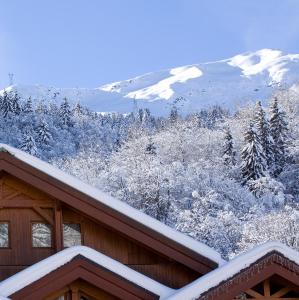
61 239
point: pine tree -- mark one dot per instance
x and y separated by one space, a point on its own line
41 108
150 148
263 132
253 157
197 120
65 113
27 107
6 104
229 153
78 110
43 133
174 115
140 115
15 102
28 143
279 133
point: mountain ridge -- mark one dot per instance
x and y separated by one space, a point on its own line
229 82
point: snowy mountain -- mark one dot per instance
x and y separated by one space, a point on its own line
230 82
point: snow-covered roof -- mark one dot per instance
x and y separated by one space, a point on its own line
196 288
44 267
115 204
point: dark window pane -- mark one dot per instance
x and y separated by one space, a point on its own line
71 235
41 235
4 242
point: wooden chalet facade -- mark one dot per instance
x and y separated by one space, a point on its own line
61 239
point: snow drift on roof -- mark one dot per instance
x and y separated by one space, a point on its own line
115 204
231 268
44 267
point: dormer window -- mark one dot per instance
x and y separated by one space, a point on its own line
71 235
4 235
41 235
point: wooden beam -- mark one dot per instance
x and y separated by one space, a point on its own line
267 288
58 227
43 215
1 188
11 196
24 203
254 294
282 292
74 293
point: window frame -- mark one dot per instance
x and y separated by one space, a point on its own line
8 235
52 234
81 234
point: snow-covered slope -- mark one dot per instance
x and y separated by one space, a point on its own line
230 82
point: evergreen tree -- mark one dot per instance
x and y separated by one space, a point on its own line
263 132
6 104
140 115
279 133
65 113
174 115
15 102
150 148
28 143
27 107
215 114
41 108
78 110
229 153
146 119
253 157
197 120
43 133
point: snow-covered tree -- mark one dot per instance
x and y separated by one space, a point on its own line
15 101
282 225
27 107
229 154
151 149
174 114
41 108
78 110
6 104
263 132
271 193
279 132
65 113
43 133
253 158
28 143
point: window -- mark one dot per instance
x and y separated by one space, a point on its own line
41 235
71 235
4 235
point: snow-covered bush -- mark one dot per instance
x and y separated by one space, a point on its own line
270 192
280 225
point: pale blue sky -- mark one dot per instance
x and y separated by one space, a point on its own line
86 43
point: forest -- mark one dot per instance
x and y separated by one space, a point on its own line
226 178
